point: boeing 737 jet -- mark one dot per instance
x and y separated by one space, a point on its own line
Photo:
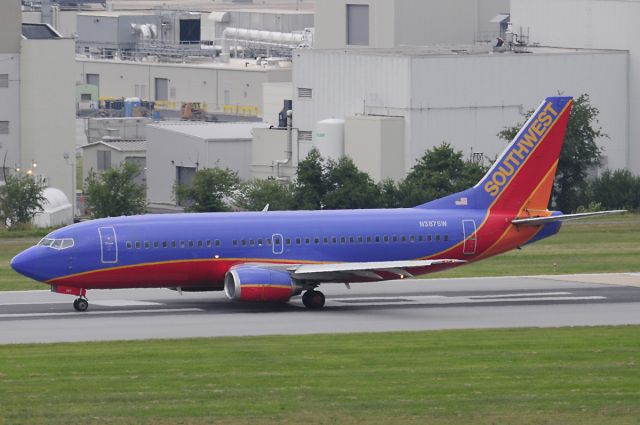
272 256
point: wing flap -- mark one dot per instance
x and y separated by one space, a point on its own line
336 271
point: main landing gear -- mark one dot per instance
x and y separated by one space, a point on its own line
81 304
313 299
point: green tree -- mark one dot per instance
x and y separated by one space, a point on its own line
617 189
441 171
115 192
255 194
208 191
390 195
580 152
310 188
348 187
20 199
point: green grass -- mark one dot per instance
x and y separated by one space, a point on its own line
535 376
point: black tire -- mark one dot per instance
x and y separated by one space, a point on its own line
75 305
313 299
81 304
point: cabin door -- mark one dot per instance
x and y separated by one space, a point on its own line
277 243
108 245
470 238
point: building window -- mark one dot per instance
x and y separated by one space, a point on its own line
4 127
93 79
4 81
104 160
358 24
305 93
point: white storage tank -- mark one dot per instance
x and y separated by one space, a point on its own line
329 138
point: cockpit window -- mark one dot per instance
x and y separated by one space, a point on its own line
57 243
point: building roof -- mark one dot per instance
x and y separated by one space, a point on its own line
39 32
455 50
121 145
211 131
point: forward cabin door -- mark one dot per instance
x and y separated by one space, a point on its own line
470 238
108 245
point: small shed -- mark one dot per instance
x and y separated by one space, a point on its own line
57 210
107 153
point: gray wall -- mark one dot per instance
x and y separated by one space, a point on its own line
10 30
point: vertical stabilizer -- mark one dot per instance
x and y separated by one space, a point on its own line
522 178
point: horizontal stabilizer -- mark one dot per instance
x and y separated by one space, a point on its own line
535 221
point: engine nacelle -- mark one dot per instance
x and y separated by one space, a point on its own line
259 284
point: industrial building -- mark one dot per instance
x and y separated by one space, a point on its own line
463 94
176 150
594 24
37 101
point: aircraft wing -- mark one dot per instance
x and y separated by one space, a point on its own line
535 221
337 271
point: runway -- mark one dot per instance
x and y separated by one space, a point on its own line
406 305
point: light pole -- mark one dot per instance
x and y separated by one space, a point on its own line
71 163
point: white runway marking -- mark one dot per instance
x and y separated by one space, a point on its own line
122 303
101 313
472 299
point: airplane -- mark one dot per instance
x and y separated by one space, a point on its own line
272 256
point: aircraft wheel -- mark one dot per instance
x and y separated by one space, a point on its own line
81 304
313 299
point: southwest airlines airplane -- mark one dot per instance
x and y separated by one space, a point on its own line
272 256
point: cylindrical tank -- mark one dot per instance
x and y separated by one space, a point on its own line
329 138
130 104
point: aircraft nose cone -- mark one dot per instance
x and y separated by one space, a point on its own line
25 263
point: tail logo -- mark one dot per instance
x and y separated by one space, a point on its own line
524 143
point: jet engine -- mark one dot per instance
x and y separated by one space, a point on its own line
259 284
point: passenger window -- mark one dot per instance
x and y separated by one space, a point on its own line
437 237
343 239
268 242
208 244
251 242
334 239
288 241
147 244
429 238
412 239
244 242
217 242
446 238
394 238
386 239
403 238
325 240
138 244
421 238
182 244
200 244
129 245
165 244
368 239
298 241
173 244
259 242
350 239
307 241
190 244
156 244
235 242
377 239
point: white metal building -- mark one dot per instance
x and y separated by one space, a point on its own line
176 150
108 153
463 96
592 24
395 23
37 100
233 88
